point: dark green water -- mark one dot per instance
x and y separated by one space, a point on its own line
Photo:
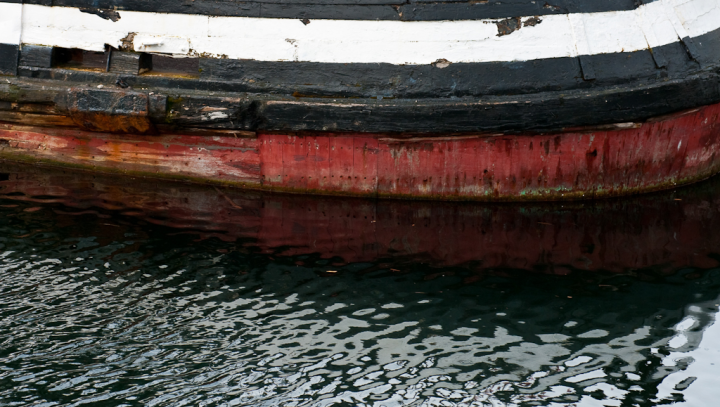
101 306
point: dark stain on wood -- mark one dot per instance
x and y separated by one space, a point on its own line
402 10
532 21
111 15
508 26
109 110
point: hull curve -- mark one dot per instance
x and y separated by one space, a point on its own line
454 100
583 163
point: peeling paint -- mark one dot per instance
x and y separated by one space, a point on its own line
583 163
111 15
508 26
345 41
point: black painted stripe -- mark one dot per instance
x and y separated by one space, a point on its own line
534 95
455 80
401 10
364 80
541 112
545 111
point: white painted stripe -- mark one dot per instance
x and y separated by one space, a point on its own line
396 42
10 19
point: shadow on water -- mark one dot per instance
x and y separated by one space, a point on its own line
134 292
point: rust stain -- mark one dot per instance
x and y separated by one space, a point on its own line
578 164
103 122
110 111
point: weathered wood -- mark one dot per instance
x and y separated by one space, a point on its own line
491 114
110 111
40 108
584 164
367 80
581 164
9 55
415 10
35 119
331 41
37 56
130 63
228 158
542 111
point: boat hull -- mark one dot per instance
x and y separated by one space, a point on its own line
583 163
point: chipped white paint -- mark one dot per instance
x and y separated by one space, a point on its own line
419 42
10 18
161 44
215 116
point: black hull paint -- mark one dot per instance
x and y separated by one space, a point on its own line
521 96
398 10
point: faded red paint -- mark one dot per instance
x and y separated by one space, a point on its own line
331 163
202 158
585 163
577 164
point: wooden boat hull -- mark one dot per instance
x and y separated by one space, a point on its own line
378 98
581 164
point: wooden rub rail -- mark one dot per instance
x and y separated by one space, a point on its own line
581 164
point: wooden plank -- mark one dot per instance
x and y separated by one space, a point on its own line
341 163
9 55
129 62
35 119
219 159
36 56
365 159
577 164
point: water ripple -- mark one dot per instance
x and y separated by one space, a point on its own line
103 309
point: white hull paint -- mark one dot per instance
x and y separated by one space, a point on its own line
340 41
10 23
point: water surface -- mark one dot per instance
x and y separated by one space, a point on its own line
137 293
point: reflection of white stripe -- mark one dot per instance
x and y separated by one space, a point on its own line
421 42
10 18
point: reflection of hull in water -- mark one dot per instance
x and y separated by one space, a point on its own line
378 337
501 341
670 230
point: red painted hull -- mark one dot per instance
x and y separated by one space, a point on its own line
662 231
582 164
